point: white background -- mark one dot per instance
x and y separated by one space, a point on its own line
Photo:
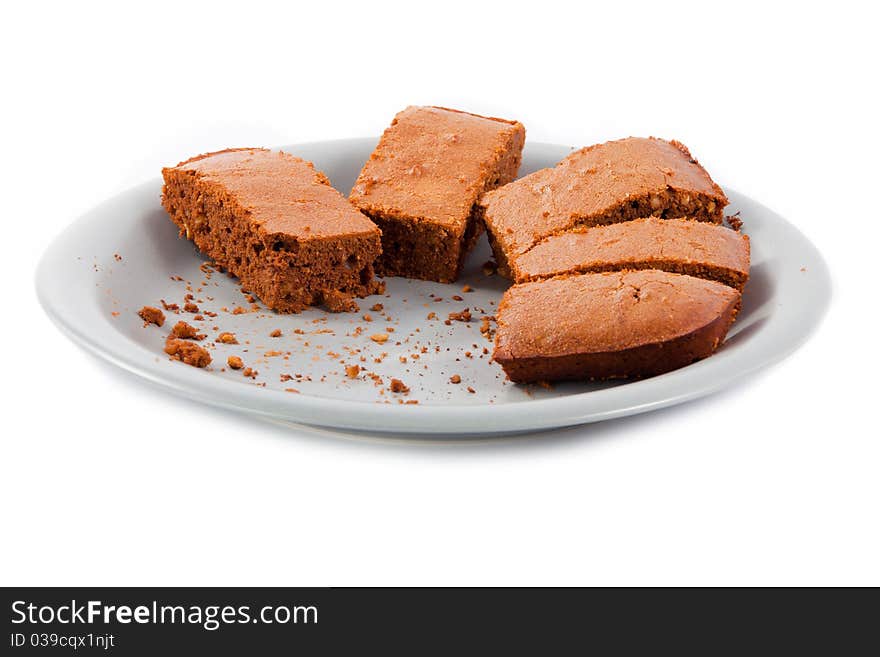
104 481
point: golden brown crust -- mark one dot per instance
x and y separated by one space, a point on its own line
422 181
610 325
276 223
601 184
682 246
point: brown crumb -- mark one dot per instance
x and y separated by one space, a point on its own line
486 327
455 378
251 373
398 386
170 307
152 315
235 362
291 390
368 318
238 310
463 316
471 390
352 371
273 354
734 221
226 338
377 307
186 331
379 337
275 334
187 352
467 288
456 297
190 307
432 316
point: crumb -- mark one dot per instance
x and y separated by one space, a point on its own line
170 307
187 352
190 307
115 313
238 310
455 378
185 331
226 338
486 328
471 390
734 221
352 371
377 307
117 257
235 362
339 302
379 337
455 297
251 373
152 315
432 316
272 354
398 386
467 288
411 401
291 390
368 318
490 267
463 316
275 334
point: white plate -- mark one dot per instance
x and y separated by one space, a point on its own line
81 284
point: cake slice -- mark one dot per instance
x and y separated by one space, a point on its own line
276 223
603 184
610 325
422 181
675 245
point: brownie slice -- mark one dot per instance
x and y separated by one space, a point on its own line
610 325
603 184
421 183
675 245
275 222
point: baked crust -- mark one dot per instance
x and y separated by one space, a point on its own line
610 325
422 181
277 224
602 184
681 246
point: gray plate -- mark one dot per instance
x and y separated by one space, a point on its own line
81 284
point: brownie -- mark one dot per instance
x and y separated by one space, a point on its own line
675 245
275 222
603 184
610 325
421 184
